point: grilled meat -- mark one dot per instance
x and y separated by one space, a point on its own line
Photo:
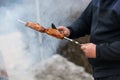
35 26
54 33
50 31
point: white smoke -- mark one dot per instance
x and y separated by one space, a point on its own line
19 45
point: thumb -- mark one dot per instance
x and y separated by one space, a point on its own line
61 28
83 47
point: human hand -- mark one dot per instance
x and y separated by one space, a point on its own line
89 49
63 30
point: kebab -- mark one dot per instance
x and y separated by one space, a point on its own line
52 31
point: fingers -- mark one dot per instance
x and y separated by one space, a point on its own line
89 49
60 28
63 30
84 46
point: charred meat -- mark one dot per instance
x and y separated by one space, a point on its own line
50 31
35 26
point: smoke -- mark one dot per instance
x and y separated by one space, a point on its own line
9 2
20 46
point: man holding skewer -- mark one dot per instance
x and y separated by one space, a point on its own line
100 20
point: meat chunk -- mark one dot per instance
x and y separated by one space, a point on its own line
35 26
54 33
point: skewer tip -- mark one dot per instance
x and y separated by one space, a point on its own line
21 21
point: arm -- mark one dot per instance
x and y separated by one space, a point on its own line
105 51
82 25
110 51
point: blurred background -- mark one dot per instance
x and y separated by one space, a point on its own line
22 48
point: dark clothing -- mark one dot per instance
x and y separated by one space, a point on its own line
101 20
116 77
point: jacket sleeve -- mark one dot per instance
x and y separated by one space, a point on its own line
108 51
82 25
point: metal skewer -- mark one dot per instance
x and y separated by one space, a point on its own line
71 40
21 21
53 26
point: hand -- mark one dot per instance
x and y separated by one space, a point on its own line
89 49
63 30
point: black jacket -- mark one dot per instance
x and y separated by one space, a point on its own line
101 20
